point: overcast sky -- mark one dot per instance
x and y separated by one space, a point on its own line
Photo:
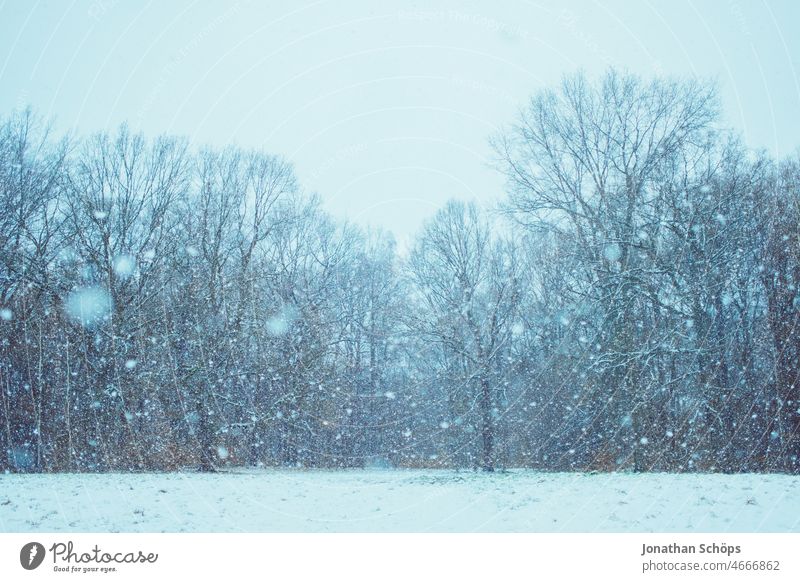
385 108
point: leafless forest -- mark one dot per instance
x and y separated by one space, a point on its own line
633 304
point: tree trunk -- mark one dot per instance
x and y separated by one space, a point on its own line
487 431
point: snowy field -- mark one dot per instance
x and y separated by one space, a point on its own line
398 501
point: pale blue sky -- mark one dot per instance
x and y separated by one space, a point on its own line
384 107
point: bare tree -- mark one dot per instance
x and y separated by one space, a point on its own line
31 182
468 292
583 163
779 272
120 204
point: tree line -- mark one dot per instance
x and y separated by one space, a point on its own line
632 305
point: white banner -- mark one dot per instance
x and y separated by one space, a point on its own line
401 557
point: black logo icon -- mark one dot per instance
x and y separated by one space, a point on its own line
31 555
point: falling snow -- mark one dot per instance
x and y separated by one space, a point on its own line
124 266
628 322
612 252
88 306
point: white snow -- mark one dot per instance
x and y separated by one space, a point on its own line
612 252
398 501
124 266
88 305
280 322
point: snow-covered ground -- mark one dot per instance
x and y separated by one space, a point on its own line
399 501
